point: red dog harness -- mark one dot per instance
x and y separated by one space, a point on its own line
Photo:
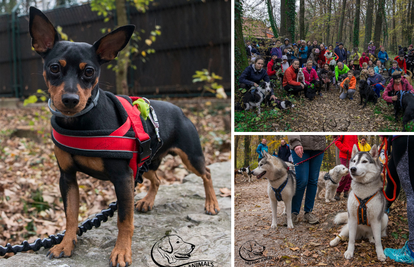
117 141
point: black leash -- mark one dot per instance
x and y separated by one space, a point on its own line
56 239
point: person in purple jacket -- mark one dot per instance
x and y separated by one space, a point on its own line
376 80
277 49
371 48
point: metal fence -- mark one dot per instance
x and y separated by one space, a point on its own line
195 34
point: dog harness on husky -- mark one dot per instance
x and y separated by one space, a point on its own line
328 177
278 191
122 143
362 209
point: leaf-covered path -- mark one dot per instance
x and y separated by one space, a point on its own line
305 245
323 114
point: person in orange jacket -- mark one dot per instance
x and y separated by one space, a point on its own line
345 143
290 83
351 86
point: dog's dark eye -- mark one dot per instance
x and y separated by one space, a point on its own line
178 242
364 161
54 68
89 72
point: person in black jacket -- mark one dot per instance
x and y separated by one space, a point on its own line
284 151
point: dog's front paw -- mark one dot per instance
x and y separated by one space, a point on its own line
348 255
212 207
64 249
371 239
274 226
327 200
144 205
334 242
121 257
290 225
381 256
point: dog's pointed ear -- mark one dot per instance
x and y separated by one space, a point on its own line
354 151
44 35
265 154
374 151
108 46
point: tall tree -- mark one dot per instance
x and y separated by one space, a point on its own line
302 20
341 22
247 150
378 22
236 146
394 33
328 28
241 61
290 18
123 56
356 23
368 23
283 15
272 18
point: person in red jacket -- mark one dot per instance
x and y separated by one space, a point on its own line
271 72
401 61
321 57
290 83
362 59
345 143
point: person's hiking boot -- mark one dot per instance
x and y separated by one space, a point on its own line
337 196
346 193
311 218
403 255
295 218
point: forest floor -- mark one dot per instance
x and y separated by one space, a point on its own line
306 244
323 114
30 200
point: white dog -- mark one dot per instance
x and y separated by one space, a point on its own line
281 186
366 203
331 181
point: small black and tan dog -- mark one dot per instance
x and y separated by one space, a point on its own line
71 71
366 93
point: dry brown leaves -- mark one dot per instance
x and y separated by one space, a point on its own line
30 200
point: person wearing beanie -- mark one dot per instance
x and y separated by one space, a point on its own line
363 59
287 49
376 80
277 49
303 53
371 48
321 57
273 66
340 51
314 57
285 63
383 56
394 67
397 83
401 61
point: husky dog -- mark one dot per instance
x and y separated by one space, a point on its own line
301 76
255 96
245 171
331 180
366 203
281 186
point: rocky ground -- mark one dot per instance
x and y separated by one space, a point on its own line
305 245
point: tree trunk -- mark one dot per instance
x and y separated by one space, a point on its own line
337 160
394 34
283 32
122 63
329 21
378 22
290 18
272 18
302 20
246 150
236 146
240 56
368 23
341 22
356 23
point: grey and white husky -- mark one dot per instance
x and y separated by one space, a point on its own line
281 186
367 221
331 181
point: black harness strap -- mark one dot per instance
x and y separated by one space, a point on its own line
328 177
278 191
362 209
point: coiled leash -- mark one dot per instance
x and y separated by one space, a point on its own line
385 145
56 239
336 139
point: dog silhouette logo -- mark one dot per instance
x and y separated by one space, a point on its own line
173 251
251 251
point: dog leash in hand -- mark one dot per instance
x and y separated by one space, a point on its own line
385 145
296 164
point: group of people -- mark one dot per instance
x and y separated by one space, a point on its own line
311 148
327 65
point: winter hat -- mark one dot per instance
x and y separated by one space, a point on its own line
363 54
316 51
401 54
284 57
341 44
274 54
410 45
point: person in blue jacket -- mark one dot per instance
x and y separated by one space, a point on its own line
340 51
376 80
303 53
253 74
262 147
383 56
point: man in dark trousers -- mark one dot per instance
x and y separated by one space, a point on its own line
284 151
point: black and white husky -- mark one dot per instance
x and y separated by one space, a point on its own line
281 186
245 171
331 181
366 203
255 96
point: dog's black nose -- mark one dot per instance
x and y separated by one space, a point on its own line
353 169
70 100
